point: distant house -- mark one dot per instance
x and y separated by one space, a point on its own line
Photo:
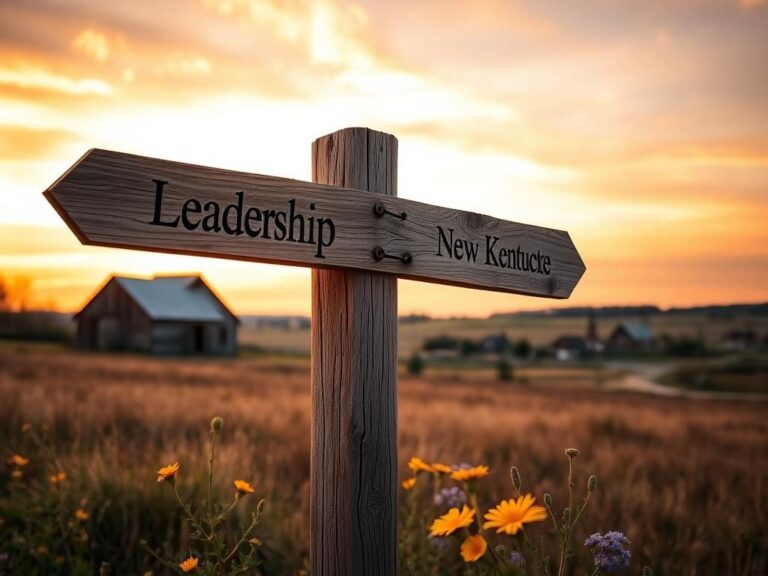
495 344
740 340
631 337
167 315
568 348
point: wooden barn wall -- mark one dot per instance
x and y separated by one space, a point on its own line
113 321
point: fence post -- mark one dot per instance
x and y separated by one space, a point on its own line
354 383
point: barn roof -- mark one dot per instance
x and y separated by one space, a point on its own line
638 331
180 298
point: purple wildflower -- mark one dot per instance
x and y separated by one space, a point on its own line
516 559
453 497
609 551
440 544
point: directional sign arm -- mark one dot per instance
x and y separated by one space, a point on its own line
126 201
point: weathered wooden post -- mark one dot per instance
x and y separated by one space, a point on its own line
354 382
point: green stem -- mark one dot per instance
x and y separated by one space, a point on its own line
473 501
581 511
210 473
567 525
254 521
543 569
552 515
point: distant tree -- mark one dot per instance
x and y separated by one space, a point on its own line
415 364
505 371
522 348
414 318
468 347
685 346
3 295
441 343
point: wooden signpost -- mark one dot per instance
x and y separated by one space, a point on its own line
358 238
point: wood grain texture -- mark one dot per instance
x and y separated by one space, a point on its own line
108 199
354 383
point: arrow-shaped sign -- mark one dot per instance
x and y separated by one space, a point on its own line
126 201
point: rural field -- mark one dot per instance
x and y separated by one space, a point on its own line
686 480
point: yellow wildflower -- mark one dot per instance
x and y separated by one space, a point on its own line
473 548
510 515
58 478
243 488
441 468
168 473
409 483
418 465
18 460
81 515
452 520
470 473
189 564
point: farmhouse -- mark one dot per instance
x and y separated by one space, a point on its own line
631 337
569 347
166 315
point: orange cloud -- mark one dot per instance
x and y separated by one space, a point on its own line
26 76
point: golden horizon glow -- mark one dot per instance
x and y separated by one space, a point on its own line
641 132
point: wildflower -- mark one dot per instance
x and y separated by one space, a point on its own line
516 559
255 542
409 483
451 521
168 473
473 548
510 515
609 552
189 564
217 423
441 468
58 478
592 483
464 474
42 550
18 460
16 474
26 427
439 544
418 465
81 515
452 497
243 488
571 452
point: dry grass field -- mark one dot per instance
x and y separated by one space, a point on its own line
687 481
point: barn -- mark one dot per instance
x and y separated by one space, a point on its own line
164 316
631 337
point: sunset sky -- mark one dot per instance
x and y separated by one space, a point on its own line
641 127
